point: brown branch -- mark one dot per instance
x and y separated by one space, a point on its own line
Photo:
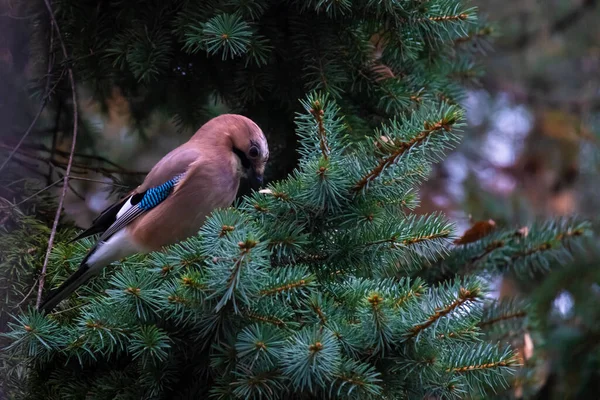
486 31
27 295
79 178
407 242
538 249
282 288
402 148
464 296
459 17
54 139
505 317
353 380
306 259
320 314
547 245
468 368
192 283
28 166
496 244
312 257
412 293
87 156
75 192
317 112
450 335
33 195
69 164
440 235
82 167
271 320
76 178
232 283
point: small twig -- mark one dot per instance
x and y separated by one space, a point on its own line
15 182
317 112
27 295
5 188
33 195
401 148
69 164
81 167
503 317
87 156
62 73
68 309
79 178
7 15
37 116
30 167
75 178
75 192
54 139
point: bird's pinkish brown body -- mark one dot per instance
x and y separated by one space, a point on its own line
177 195
212 178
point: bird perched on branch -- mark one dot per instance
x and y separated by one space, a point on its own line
175 198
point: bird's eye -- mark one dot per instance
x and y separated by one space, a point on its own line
253 153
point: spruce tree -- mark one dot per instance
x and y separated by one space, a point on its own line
325 284
322 285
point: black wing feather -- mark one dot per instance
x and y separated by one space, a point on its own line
107 217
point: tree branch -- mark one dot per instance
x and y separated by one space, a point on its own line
52 184
33 195
54 139
86 156
27 295
464 296
69 164
82 167
402 147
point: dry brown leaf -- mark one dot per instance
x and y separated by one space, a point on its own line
479 230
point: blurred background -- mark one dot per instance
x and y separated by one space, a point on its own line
530 150
531 145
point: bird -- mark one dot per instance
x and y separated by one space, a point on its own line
175 198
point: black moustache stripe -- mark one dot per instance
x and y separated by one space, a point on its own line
242 157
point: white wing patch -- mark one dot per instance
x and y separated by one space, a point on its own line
125 207
119 245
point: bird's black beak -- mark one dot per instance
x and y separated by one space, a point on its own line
256 180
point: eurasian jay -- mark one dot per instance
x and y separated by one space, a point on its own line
175 198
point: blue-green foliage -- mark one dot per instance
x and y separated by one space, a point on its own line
177 56
310 287
324 285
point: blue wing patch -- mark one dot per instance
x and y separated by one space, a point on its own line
149 199
156 195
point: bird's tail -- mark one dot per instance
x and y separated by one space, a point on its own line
78 278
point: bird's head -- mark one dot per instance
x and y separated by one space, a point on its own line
253 151
247 142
